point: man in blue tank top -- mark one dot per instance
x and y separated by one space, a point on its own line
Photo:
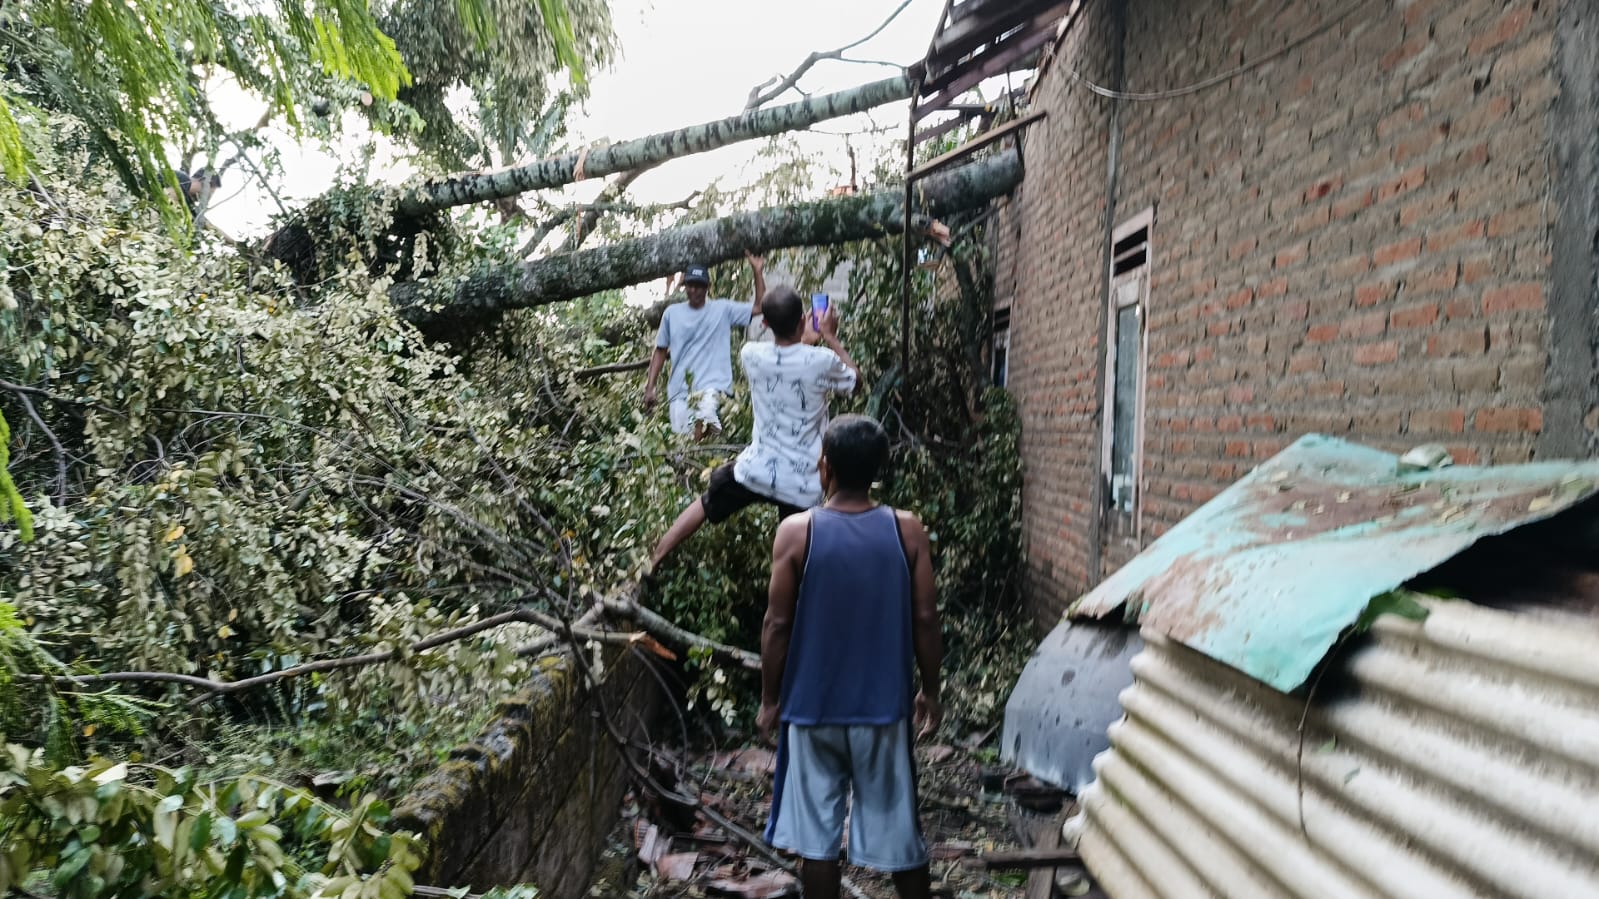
851 611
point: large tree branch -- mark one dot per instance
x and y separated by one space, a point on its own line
477 187
463 303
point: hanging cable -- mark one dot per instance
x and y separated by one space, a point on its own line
1225 76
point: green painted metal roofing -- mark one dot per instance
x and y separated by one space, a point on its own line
1266 576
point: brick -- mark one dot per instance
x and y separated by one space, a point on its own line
1508 26
1241 249
1396 252
1407 181
1526 217
1420 315
1445 238
1369 324
1290 257
1475 376
1237 449
1300 363
1377 353
1438 281
1274 288
1374 293
1350 268
1353 203
1238 299
1514 298
1441 421
1400 120
1509 421
1460 307
1321 333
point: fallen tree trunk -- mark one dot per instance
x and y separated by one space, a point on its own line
477 187
456 305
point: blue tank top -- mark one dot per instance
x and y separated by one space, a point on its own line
851 655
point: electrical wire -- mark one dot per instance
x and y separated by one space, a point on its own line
1196 87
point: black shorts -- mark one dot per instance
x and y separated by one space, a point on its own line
726 496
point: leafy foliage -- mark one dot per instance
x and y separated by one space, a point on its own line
12 506
503 52
138 72
111 829
232 474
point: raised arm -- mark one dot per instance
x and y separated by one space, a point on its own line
758 266
788 557
829 331
925 628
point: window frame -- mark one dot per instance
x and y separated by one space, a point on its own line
1118 298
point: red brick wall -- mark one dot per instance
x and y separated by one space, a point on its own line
1048 268
1352 239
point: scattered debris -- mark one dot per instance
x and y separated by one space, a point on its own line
713 848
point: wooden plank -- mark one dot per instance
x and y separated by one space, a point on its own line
967 33
1023 859
1041 882
946 65
989 65
982 140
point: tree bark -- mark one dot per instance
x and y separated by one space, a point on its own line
476 187
463 304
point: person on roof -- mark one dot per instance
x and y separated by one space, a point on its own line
696 336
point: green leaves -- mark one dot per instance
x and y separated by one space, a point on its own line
99 831
1403 603
12 507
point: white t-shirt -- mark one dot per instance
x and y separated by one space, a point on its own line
698 340
789 386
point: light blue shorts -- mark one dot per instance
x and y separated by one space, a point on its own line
869 764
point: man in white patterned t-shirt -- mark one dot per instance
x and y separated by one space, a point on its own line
789 385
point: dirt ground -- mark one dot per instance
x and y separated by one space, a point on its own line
670 848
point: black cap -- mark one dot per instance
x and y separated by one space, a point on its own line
696 274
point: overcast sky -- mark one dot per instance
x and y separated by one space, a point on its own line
682 62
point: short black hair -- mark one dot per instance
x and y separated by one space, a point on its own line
784 311
856 448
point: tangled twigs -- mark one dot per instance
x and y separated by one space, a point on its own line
585 629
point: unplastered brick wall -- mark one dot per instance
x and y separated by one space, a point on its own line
533 798
1048 266
1353 239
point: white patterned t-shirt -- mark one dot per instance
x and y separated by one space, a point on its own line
789 386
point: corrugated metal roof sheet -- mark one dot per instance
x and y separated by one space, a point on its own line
1267 575
1453 757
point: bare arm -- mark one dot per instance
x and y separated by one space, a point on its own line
758 266
788 558
829 332
657 360
925 627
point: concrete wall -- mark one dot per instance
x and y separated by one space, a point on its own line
1355 238
534 796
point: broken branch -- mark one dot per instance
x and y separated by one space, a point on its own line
470 301
760 96
478 187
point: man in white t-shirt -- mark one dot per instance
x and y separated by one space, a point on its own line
789 385
696 336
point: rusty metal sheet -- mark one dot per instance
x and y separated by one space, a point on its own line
1266 576
1067 696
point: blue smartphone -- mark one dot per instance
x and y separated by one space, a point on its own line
818 309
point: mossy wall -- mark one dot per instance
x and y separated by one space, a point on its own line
533 797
